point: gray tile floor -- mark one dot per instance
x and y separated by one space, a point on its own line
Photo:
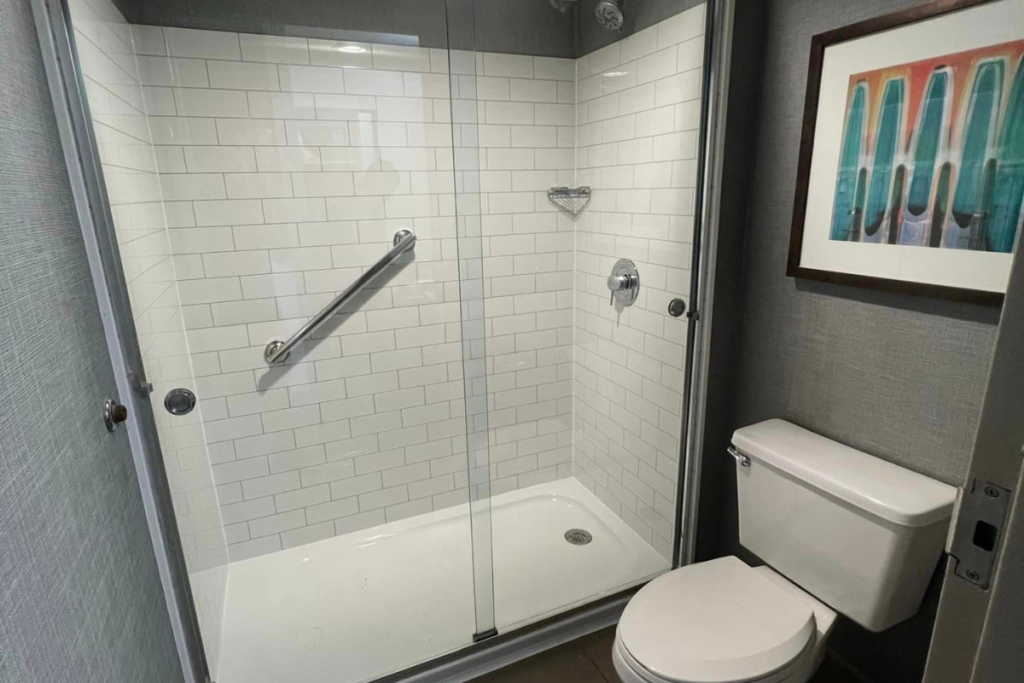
588 660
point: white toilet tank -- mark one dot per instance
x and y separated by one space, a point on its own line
859 533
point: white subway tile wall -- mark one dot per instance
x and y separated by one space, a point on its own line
125 142
518 111
638 114
287 165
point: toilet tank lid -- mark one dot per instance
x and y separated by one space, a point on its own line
886 490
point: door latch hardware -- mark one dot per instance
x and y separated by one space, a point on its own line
140 384
113 414
979 530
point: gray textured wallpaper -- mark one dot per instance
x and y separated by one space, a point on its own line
900 377
80 599
897 376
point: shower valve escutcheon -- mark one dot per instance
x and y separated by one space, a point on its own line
624 282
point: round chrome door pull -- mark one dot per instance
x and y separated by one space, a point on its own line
676 307
179 401
113 414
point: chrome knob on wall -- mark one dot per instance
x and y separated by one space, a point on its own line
624 282
676 307
179 401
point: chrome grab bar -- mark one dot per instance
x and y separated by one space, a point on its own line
277 351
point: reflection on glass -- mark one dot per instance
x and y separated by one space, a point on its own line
979 136
896 204
853 143
941 205
927 148
886 142
1009 183
930 141
857 217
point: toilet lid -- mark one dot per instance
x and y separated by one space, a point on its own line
715 622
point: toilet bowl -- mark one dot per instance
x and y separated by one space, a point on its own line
721 621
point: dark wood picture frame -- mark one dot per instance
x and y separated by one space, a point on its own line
819 43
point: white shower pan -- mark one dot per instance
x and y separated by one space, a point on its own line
357 607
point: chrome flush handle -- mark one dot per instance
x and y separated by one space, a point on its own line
741 460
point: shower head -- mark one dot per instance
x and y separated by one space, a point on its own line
609 14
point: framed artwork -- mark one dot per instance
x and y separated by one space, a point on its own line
911 168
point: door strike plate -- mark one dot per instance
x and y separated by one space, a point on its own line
979 531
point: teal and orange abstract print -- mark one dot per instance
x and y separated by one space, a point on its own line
932 153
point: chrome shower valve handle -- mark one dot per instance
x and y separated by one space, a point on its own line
618 283
624 283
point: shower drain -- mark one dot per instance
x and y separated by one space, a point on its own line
578 536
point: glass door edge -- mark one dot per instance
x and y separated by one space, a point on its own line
714 106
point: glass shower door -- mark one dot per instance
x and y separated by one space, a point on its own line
479 438
256 166
585 390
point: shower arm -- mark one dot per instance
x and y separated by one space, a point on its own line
277 351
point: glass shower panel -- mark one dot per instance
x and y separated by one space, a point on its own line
637 145
258 162
467 164
633 360
585 395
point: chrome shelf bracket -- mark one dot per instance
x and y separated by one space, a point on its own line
570 199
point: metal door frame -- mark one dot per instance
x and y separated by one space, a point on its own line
718 36
67 89
968 614
999 656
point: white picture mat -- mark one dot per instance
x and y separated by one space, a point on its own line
989 24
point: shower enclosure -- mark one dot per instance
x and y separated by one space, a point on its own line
389 395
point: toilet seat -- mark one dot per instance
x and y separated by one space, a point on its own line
714 622
638 674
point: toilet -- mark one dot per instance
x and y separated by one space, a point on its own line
840 531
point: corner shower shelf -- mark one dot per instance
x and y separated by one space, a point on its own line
571 199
